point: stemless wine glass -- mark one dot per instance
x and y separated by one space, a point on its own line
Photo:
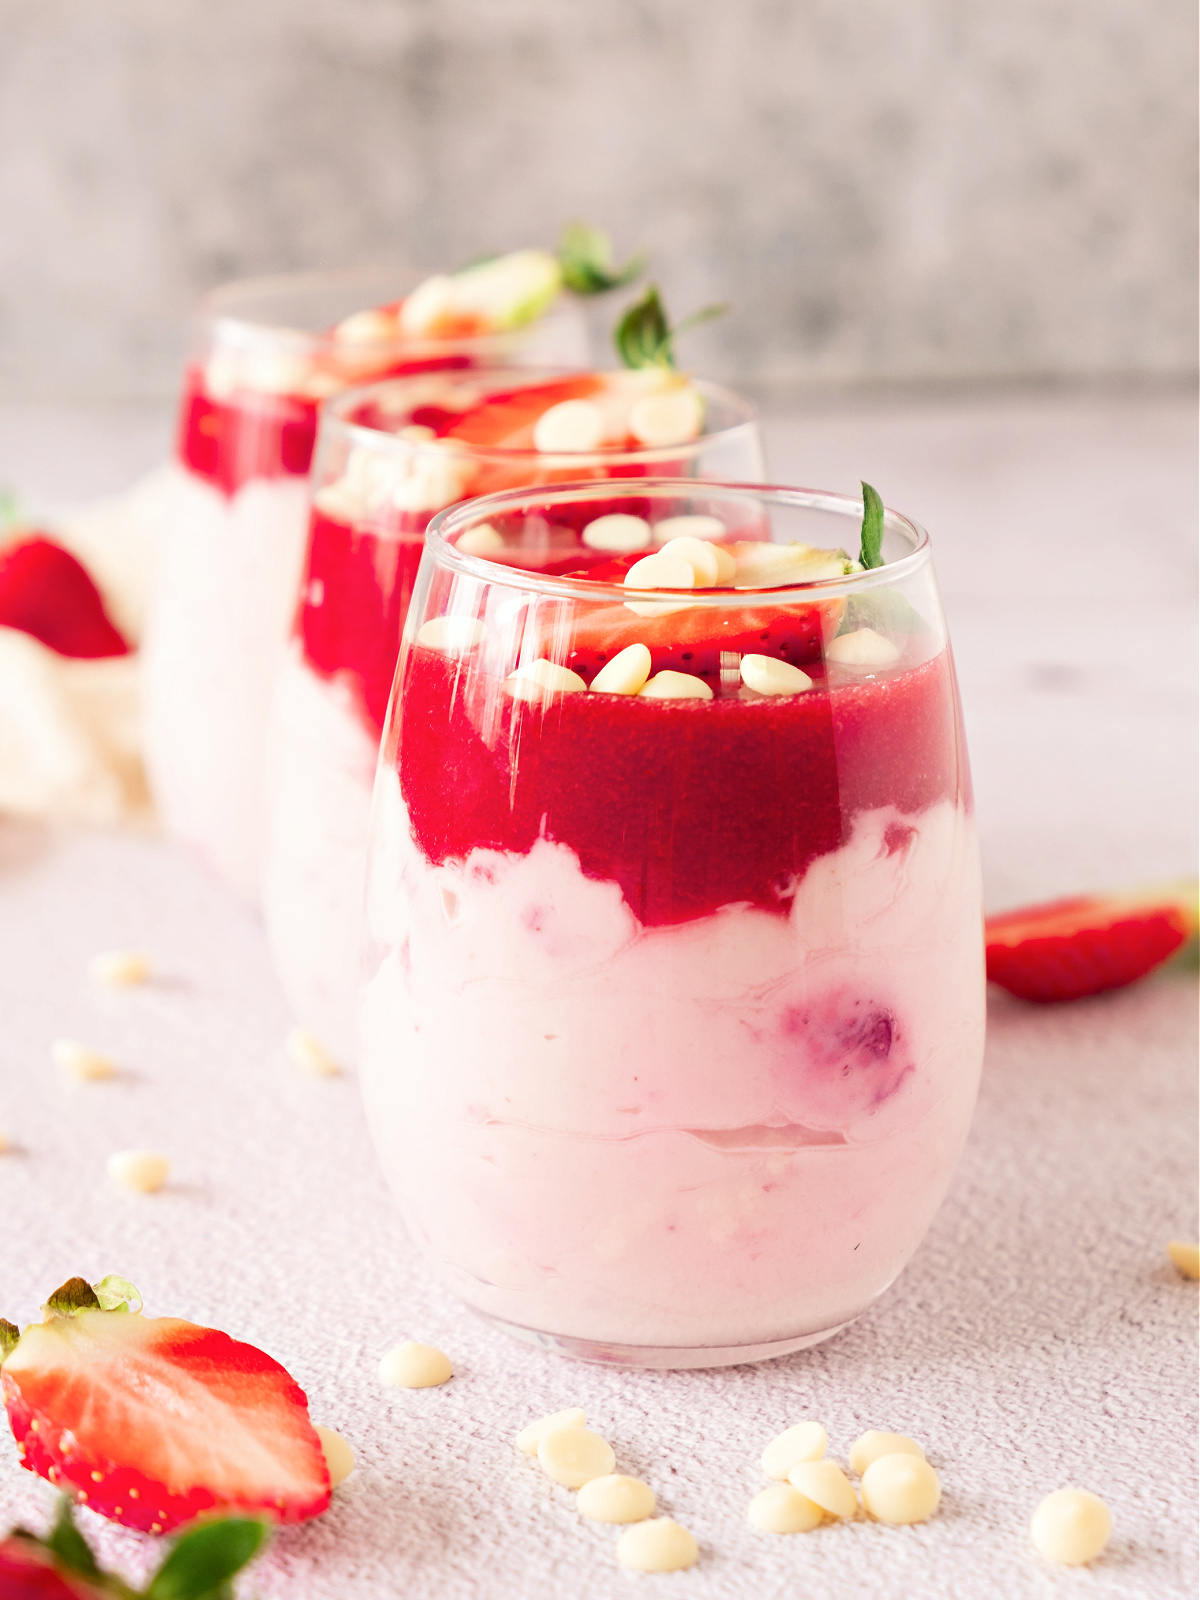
378 477
673 999
268 353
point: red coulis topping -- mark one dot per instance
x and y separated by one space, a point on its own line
46 592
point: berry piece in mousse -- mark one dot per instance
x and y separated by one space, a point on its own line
47 593
151 1421
1072 948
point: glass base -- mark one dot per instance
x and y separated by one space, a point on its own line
662 1357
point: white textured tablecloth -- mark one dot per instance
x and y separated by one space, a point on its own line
1039 1338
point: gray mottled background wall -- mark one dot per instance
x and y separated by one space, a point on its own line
888 189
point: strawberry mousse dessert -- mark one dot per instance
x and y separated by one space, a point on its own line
269 352
673 1003
389 457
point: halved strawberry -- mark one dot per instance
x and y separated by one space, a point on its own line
151 1420
1071 948
46 592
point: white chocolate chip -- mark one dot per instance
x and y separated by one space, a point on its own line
366 327
768 675
570 427
665 419
415 1366
707 561
538 680
482 540
825 1483
120 969
863 648
660 571
689 527
658 1546
339 1457
901 1488
1186 1257
617 532
782 1509
86 1066
431 480
675 686
307 1052
5 1142
276 371
574 1456
616 1498
1071 1526
453 636
626 673
807 1441
529 1438
142 1170
417 433
873 1444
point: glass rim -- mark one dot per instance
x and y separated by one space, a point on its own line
378 438
467 513
213 311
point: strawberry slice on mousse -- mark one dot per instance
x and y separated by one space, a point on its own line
1071 948
47 593
152 1420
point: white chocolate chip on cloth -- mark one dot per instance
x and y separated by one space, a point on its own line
616 1498
415 1366
574 1456
806 1441
1071 1526
658 1546
529 1438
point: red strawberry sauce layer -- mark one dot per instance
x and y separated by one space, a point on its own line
687 805
254 435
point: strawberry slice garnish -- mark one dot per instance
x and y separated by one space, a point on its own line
1072 948
152 1420
46 592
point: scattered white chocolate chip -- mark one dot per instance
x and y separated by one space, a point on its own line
901 1488
807 1441
574 1456
86 1066
307 1052
782 1509
339 1457
689 527
660 571
143 1170
616 1498
119 969
670 418
1186 1257
569 427
675 686
625 673
366 327
538 679
862 648
454 636
617 532
825 1483
415 1366
5 1142
431 479
529 1438
1071 1526
703 558
480 541
769 675
871 1445
658 1546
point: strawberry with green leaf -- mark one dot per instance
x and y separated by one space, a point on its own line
152 1421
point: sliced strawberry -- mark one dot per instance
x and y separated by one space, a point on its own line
45 592
1077 947
506 421
151 1420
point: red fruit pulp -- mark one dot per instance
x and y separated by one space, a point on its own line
47 593
687 805
28 1572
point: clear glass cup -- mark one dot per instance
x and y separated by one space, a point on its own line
376 485
234 525
673 1008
